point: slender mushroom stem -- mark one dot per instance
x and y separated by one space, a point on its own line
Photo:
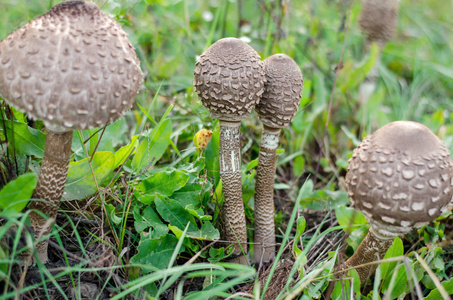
264 197
372 249
277 108
51 183
230 173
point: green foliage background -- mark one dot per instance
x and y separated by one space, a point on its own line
151 183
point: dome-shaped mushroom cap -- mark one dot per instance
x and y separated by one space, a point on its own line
282 91
73 68
378 19
229 79
400 177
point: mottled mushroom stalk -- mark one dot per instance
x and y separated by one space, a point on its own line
229 80
277 108
401 178
73 68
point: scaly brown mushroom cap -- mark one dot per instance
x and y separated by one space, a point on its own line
282 91
229 79
378 19
73 68
400 177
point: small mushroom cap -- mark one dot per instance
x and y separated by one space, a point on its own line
400 177
73 68
378 19
229 79
282 91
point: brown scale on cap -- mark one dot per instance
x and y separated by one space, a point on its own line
72 68
400 177
229 80
278 106
378 19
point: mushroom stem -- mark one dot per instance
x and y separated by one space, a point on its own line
264 198
230 173
50 187
372 249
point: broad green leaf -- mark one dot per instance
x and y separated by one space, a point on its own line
206 232
164 182
156 252
348 216
80 182
26 139
395 250
124 152
153 146
149 219
192 194
399 284
198 213
15 195
172 212
435 294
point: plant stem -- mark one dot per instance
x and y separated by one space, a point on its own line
50 187
230 173
264 250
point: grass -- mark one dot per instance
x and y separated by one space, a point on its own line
130 235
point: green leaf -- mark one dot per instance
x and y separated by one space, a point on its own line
153 146
26 139
344 288
172 212
348 216
124 152
396 282
164 183
80 182
435 294
15 195
149 219
301 223
111 210
192 194
395 250
156 252
206 232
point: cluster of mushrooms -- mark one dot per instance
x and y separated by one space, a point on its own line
74 68
231 80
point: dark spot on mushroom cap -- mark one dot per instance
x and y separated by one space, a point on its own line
400 177
282 91
378 19
73 68
229 79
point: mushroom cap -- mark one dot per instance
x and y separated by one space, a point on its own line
400 177
73 68
378 19
229 79
282 91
